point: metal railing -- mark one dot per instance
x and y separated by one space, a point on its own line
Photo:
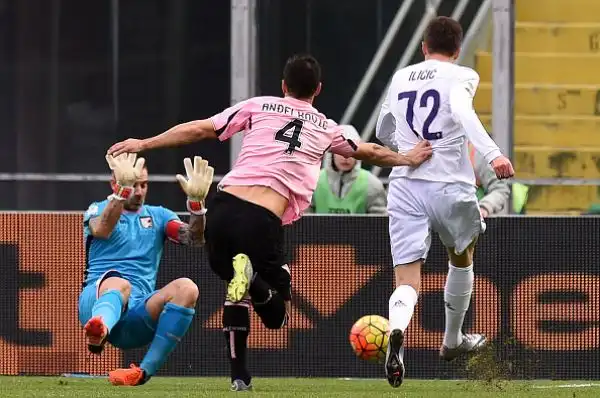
376 61
91 177
409 53
472 33
407 56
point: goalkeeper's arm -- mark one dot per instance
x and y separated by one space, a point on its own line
190 234
196 186
126 170
102 226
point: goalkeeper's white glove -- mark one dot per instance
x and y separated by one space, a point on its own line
127 170
196 185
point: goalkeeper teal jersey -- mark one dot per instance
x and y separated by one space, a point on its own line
134 248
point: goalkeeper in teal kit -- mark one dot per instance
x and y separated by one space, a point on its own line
124 240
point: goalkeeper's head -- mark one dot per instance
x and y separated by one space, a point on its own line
136 200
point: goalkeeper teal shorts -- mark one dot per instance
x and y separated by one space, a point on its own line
135 328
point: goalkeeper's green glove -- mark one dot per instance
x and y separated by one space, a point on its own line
196 185
127 170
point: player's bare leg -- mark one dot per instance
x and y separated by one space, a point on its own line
113 294
401 308
173 308
457 297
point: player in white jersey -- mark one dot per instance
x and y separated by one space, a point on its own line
433 100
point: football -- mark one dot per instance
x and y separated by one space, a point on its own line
369 338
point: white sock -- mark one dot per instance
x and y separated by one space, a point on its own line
457 297
402 305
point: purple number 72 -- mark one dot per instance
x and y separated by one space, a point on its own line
410 113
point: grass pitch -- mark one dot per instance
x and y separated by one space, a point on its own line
218 387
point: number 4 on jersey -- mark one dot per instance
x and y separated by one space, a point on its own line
411 96
290 134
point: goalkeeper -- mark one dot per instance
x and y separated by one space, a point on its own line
124 243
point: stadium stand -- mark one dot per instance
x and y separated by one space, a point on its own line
557 99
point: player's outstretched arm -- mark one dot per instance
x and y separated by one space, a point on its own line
195 185
126 170
184 133
102 226
461 105
484 144
383 157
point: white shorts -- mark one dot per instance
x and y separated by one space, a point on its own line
416 207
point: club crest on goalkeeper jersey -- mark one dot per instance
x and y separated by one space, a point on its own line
134 248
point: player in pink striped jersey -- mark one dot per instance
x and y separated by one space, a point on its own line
270 185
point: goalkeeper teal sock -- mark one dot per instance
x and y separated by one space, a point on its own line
173 323
109 306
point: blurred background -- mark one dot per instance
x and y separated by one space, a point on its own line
79 76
